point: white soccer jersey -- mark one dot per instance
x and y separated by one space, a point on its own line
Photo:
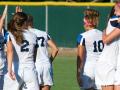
43 65
112 24
92 40
42 52
24 65
25 52
106 66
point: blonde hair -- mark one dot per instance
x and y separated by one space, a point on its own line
92 17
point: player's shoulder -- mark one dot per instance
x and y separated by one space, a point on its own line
98 31
28 33
91 33
37 31
85 33
80 36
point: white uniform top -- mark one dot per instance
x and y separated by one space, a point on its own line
4 38
92 40
24 54
112 23
106 66
42 52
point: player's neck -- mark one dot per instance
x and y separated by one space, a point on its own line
29 27
89 28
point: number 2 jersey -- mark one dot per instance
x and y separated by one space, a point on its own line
42 52
24 53
92 40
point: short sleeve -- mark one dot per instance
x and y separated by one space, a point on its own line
114 23
6 36
80 40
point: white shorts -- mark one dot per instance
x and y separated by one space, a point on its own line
26 79
117 73
29 77
88 75
106 65
10 84
45 74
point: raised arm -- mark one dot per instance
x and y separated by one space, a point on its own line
18 9
111 37
3 18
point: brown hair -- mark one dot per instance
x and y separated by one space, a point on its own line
92 16
15 26
30 21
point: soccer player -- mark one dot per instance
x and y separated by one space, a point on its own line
89 47
108 74
24 44
4 39
43 61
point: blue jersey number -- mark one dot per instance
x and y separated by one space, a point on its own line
98 46
42 41
24 47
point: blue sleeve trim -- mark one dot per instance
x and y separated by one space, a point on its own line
80 40
118 26
114 16
6 35
114 23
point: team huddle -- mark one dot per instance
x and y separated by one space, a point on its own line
25 63
24 60
98 54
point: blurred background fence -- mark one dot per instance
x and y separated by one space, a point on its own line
62 20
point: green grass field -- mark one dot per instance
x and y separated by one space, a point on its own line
65 73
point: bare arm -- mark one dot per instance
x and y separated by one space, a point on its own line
10 59
3 18
80 61
54 49
112 36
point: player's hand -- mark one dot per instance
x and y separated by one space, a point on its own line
18 9
11 74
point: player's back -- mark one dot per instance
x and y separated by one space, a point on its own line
42 52
24 53
92 40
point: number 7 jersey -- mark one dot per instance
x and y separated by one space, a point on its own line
42 52
92 40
